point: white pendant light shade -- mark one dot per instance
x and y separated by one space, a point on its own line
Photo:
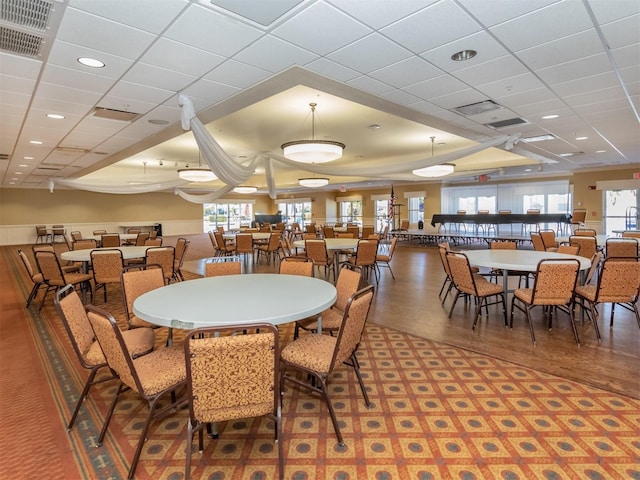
245 189
312 151
313 182
196 175
435 171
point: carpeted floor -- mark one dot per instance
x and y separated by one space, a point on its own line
438 412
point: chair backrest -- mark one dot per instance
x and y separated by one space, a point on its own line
274 241
404 225
483 212
569 249
316 250
115 350
137 280
596 261
41 230
555 281
182 244
49 266
352 327
110 240
461 274
353 230
443 248
296 266
163 256
619 281
588 245
85 244
504 212
57 229
366 253
392 247
142 238
622 247
153 242
309 236
76 235
153 234
107 265
217 269
99 232
232 372
537 242
343 235
134 230
368 230
310 228
76 323
630 233
585 232
579 215
328 231
27 264
533 211
220 240
461 212
347 285
214 241
495 245
220 229
244 243
548 238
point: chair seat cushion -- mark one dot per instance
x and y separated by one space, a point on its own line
139 341
161 369
526 295
587 291
331 320
313 352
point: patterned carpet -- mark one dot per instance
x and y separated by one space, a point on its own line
438 413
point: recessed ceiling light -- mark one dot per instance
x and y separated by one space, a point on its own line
565 154
539 138
550 117
17 173
27 158
158 122
36 142
90 62
581 138
527 169
375 126
600 151
22 165
463 55
55 116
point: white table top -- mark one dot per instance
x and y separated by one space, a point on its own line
85 254
524 260
601 240
235 299
123 236
254 235
333 243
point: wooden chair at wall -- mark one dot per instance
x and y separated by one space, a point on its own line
42 234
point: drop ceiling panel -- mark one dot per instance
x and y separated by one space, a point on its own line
16 84
577 69
134 97
493 12
15 65
491 71
406 72
156 77
369 84
274 55
436 87
558 52
57 106
331 69
378 14
103 35
456 99
622 32
65 77
171 55
589 98
532 96
507 87
431 27
587 84
627 57
338 29
210 92
483 43
65 54
237 74
227 38
606 12
149 15
65 94
552 22
263 13
400 97
370 53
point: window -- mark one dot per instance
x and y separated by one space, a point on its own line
351 211
228 215
296 211
381 214
416 209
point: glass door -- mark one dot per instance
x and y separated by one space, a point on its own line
620 210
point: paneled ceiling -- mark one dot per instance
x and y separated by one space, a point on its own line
380 71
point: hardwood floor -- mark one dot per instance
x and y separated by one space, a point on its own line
411 304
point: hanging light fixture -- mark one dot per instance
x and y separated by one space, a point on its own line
435 170
313 151
313 182
196 174
245 189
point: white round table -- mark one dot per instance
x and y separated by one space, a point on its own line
254 235
84 255
235 299
519 260
123 236
333 243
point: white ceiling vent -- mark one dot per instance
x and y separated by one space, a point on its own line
476 108
112 114
20 43
26 25
506 123
30 14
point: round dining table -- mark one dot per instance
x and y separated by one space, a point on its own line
517 260
236 299
84 255
334 243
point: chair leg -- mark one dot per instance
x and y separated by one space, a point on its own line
533 335
143 437
356 368
105 426
325 393
573 326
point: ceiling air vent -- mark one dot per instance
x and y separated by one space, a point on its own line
112 114
506 123
4 156
20 43
476 108
31 14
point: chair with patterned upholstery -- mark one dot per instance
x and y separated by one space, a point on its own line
384 259
549 239
151 376
110 240
536 241
631 234
585 232
137 280
58 231
568 249
76 235
296 266
316 250
317 356
217 268
588 245
618 284
443 248
42 234
76 323
466 283
165 257
244 246
181 248
348 284
232 374
364 259
269 249
224 247
55 278
328 231
554 286
622 248
107 264
36 277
